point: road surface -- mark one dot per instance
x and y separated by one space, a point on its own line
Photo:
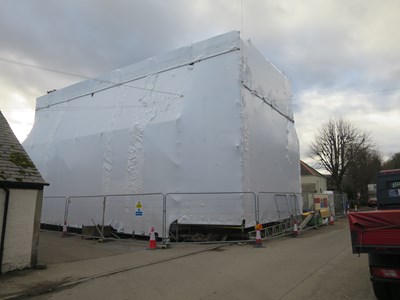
317 265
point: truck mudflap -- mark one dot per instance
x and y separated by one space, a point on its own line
375 231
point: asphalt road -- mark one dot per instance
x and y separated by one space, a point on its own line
317 265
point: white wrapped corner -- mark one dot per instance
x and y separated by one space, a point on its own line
210 117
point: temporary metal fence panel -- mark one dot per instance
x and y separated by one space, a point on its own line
308 201
216 208
135 213
269 211
341 203
278 206
85 210
282 206
337 203
54 210
293 200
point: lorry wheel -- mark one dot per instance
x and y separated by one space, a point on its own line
395 290
381 290
386 290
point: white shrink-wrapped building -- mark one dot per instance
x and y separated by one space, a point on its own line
214 116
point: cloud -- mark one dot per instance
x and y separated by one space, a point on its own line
341 57
376 118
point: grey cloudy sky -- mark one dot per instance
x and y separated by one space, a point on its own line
342 57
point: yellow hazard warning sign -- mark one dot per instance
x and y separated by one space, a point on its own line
139 211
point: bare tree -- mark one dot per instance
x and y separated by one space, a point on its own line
362 170
393 162
336 144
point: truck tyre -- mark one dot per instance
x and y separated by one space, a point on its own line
381 290
386 290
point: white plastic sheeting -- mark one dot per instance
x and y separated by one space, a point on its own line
214 116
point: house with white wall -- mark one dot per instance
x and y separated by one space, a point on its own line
312 183
21 194
311 180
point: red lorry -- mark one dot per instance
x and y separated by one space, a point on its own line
378 234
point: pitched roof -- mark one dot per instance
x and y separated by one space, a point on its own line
16 167
307 170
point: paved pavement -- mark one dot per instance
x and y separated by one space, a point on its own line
72 260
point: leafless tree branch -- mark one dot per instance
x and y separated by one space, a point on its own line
337 143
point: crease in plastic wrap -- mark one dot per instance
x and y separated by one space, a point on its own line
209 117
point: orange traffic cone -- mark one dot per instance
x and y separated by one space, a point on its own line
331 220
152 243
295 228
258 243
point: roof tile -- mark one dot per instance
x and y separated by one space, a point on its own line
307 170
15 164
